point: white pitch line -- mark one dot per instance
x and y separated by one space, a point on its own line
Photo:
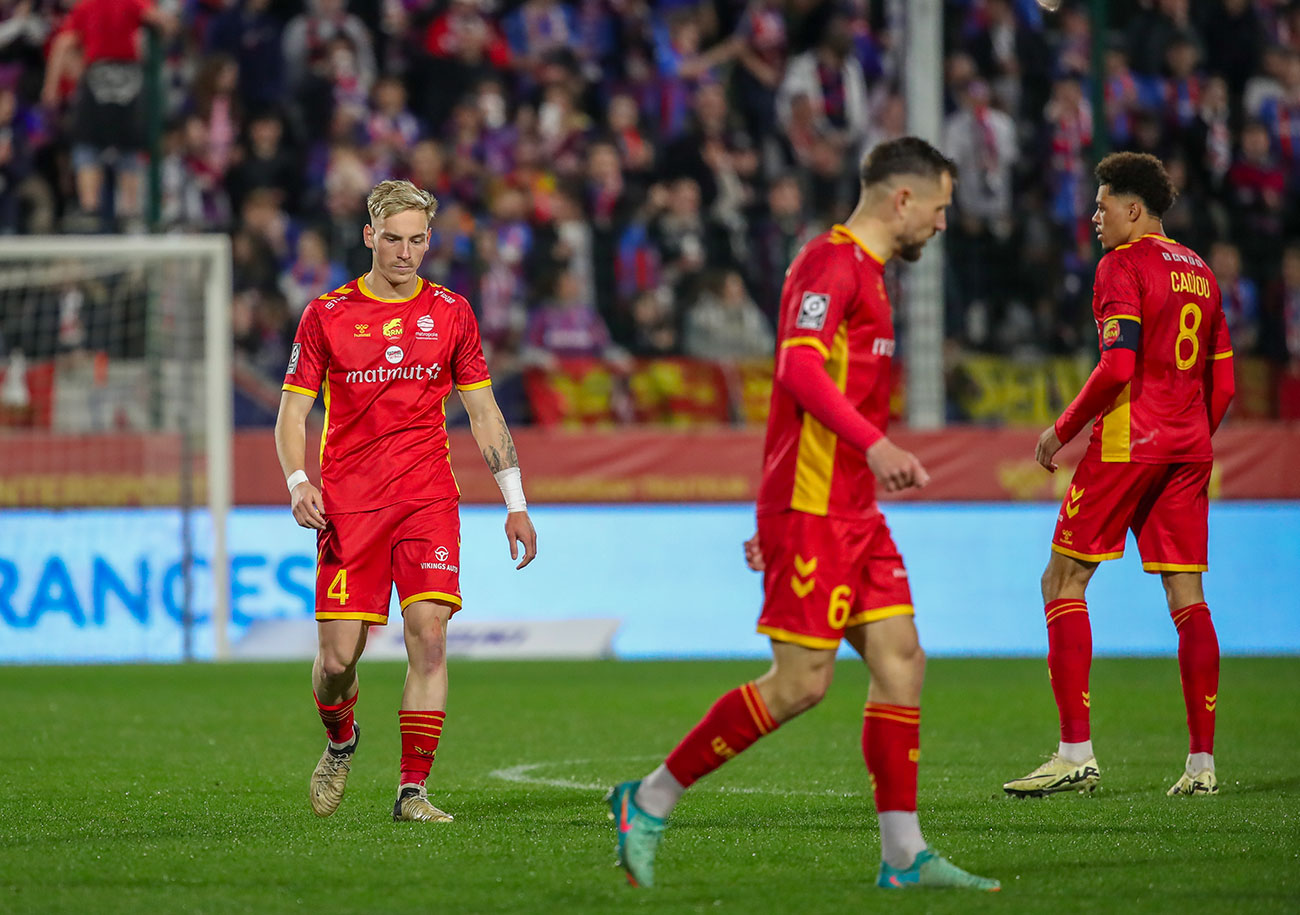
524 774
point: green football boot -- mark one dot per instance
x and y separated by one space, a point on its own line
639 834
932 870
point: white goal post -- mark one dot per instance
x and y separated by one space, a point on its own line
120 323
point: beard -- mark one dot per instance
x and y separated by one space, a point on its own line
912 252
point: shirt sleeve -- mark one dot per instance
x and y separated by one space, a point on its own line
1117 290
309 356
1220 342
469 369
814 300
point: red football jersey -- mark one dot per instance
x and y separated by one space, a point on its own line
1161 416
387 367
834 301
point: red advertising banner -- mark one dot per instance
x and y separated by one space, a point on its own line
632 464
584 393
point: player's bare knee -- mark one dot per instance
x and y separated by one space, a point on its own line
790 692
426 646
337 661
803 692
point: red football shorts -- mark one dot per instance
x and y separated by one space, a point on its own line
361 555
826 574
1165 505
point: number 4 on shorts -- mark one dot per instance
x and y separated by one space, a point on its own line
338 588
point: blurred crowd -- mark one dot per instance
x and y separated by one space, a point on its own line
631 178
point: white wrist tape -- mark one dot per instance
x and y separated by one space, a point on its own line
512 487
298 476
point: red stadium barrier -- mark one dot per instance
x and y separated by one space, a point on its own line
636 464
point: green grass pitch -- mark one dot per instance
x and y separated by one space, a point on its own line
184 788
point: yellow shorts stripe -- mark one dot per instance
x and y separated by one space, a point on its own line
1173 567
795 638
877 614
298 390
380 618
440 596
1086 557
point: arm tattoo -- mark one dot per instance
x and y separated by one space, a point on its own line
508 443
502 457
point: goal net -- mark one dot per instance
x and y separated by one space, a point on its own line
115 425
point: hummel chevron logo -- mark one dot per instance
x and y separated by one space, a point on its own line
803 569
1211 702
1087 699
1072 504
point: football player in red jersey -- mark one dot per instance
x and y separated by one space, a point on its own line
832 570
387 348
1163 385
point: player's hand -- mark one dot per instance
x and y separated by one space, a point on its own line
754 554
1048 445
519 532
895 468
308 509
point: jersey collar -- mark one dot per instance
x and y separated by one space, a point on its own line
365 290
844 230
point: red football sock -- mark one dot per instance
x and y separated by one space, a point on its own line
1069 655
337 718
891 745
736 720
420 733
1198 667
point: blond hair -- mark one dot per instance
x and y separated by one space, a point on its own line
392 197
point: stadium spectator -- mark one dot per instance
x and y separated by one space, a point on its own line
253 35
1286 307
1122 95
777 236
724 322
760 46
1266 82
1281 115
654 324
15 162
566 325
982 141
1069 118
108 127
264 161
1238 41
1257 190
1156 26
391 129
830 77
1240 297
310 271
315 38
1012 58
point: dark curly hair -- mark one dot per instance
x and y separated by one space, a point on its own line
904 156
1139 174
